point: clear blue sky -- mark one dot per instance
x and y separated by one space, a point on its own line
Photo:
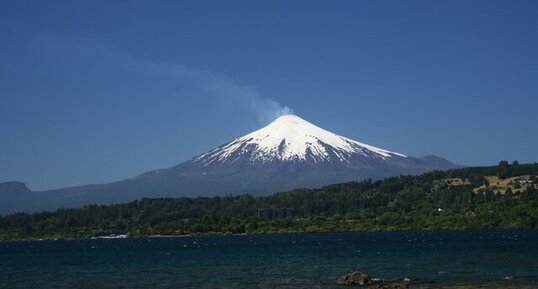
97 91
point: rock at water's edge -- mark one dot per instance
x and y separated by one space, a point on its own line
354 278
364 279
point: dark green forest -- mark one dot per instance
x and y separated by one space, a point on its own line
502 196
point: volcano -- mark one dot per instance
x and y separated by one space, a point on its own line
288 153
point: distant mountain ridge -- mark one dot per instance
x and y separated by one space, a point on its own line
286 154
15 188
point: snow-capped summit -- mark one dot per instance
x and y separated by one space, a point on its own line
291 138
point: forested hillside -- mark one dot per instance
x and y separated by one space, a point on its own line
503 196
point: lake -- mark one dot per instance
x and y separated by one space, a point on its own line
273 261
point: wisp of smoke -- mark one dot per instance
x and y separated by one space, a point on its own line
270 110
265 109
247 97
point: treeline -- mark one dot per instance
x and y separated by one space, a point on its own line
425 202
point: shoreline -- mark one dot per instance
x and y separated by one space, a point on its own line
218 234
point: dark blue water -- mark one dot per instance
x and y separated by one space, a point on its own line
273 261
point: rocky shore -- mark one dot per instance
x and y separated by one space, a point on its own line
358 279
477 287
364 280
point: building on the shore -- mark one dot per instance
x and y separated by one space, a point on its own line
276 213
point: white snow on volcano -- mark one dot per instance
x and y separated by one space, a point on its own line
291 138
